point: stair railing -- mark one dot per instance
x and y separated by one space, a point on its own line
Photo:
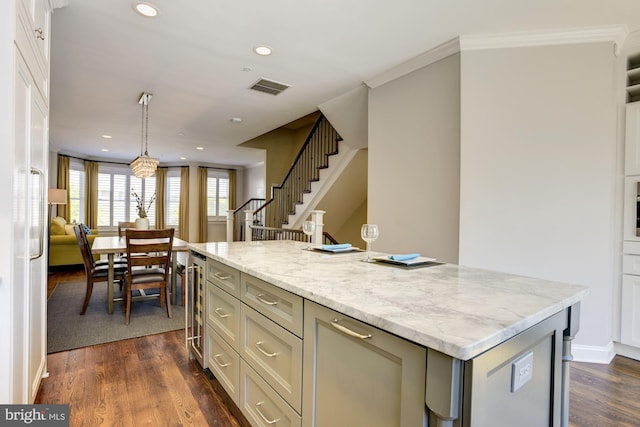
321 143
238 217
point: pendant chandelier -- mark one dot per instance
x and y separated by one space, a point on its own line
144 166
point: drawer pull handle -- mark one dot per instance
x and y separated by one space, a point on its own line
266 420
348 331
220 276
39 33
260 297
221 314
266 353
221 364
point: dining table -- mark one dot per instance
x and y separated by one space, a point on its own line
114 245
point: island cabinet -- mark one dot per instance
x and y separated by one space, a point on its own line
254 345
358 375
326 341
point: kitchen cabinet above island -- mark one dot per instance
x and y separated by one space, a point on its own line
328 337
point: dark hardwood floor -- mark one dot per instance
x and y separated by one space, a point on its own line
151 381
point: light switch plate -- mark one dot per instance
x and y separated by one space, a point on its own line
521 371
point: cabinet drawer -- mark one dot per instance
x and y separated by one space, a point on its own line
260 404
224 362
631 264
223 314
281 306
225 277
275 353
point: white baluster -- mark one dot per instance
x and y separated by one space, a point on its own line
316 217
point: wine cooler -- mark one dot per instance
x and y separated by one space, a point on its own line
194 308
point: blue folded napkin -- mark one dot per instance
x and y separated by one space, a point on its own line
403 257
334 247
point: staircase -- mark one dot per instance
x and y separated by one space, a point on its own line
299 190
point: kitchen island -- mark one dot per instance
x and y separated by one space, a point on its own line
483 348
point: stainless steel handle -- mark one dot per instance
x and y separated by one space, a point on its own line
222 365
219 276
43 221
39 33
260 297
259 347
266 420
348 331
223 315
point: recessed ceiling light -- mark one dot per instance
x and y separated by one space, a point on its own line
263 50
145 9
183 158
104 149
199 148
105 136
235 119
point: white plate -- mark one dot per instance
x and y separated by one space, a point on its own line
415 261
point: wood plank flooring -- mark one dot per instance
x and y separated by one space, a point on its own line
151 381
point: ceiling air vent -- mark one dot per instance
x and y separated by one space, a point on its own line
268 86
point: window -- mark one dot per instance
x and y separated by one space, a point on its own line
172 214
76 192
115 201
217 194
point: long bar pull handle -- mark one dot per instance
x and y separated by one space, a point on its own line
221 277
221 364
260 297
348 331
266 420
266 353
37 172
221 314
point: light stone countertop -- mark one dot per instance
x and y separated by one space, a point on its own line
456 310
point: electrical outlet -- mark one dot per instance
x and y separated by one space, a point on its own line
521 371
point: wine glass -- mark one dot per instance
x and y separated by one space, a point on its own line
369 233
308 227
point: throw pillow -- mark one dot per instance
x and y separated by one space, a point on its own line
69 229
86 229
57 226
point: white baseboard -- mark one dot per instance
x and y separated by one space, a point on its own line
593 354
627 351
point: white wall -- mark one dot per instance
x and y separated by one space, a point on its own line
254 182
538 169
414 133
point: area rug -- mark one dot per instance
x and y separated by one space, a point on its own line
67 329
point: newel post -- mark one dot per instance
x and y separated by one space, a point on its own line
248 221
316 217
230 236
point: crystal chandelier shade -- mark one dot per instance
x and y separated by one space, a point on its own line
144 166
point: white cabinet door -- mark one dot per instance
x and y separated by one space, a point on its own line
632 140
630 316
359 376
29 226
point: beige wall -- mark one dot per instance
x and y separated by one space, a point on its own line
538 174
281 146
414 161
345 203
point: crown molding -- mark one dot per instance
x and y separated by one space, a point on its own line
615 34
429 57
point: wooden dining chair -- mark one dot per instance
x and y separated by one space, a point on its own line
123 225
148 265
95 271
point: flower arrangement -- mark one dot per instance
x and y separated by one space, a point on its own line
142 212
